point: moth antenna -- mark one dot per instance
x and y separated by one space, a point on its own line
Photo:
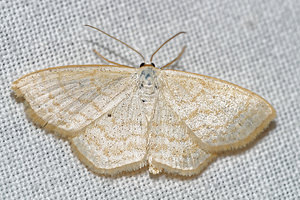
109 61
179 55
165 43
118 41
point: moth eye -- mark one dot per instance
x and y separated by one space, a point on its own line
142 64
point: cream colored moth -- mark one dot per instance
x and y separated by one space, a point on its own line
120 118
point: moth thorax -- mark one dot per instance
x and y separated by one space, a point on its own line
148 83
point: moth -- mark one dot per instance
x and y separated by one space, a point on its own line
120 118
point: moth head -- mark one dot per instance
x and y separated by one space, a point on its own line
147 65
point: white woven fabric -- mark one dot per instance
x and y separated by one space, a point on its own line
253 44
